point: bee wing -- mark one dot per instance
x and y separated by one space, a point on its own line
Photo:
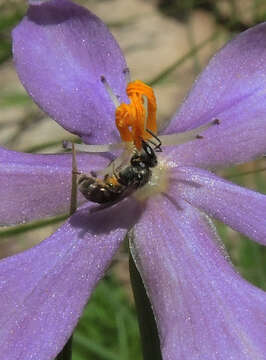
117 164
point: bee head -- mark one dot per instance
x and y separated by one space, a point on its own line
148 155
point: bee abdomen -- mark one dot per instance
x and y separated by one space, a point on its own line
97 192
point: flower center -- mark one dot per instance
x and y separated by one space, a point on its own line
133 120
159 181
137 171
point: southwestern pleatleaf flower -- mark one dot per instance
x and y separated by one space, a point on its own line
203 308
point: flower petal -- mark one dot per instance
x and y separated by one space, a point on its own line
233 89
242 209
43 290
61 50
35 186
203 308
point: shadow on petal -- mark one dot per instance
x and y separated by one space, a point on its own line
52 14
122 215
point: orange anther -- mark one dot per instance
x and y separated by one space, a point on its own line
132 119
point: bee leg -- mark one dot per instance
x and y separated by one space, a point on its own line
74 161
115 173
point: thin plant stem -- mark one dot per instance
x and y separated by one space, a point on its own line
167 72
19 229
66 353
47 145
147 325
246 173
73 199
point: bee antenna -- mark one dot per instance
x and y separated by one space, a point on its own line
157 146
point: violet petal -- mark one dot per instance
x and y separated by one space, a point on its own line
35 186
203 308
233 89
61 50
43 290
242 209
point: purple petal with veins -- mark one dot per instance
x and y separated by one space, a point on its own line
203 308
232 89
35 186
43 290
242 209
61 50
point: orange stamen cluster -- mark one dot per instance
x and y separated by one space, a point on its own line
132 119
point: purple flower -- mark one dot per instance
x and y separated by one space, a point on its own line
203 308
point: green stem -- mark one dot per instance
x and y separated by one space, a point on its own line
19 229
246 173
147 325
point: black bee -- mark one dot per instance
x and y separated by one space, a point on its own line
122 183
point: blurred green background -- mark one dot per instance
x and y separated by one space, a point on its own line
166 43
